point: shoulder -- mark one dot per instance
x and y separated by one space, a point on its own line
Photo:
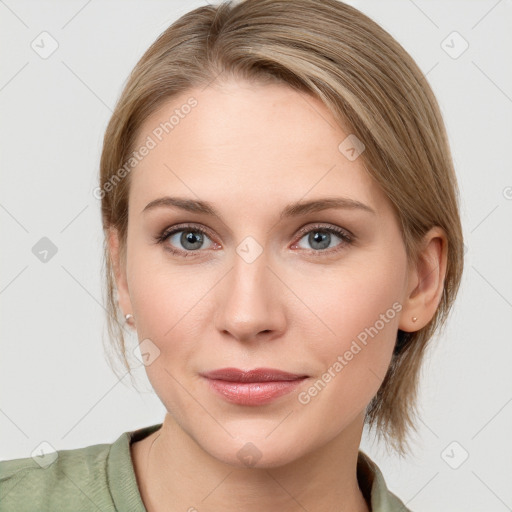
76 478
96 477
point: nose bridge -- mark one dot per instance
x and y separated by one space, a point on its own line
250 301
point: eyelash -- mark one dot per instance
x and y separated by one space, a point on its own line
346 237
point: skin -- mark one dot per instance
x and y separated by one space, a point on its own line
250 150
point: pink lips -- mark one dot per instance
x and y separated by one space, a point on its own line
253 387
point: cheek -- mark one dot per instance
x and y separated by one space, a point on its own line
166 303
170 303
346 302
160 291
357 316
168 306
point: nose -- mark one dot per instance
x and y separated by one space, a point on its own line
250 302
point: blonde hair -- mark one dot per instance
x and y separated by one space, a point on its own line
373 88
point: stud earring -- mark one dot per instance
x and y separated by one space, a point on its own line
129 319
414 319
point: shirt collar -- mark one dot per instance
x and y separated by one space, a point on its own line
373 486
126 496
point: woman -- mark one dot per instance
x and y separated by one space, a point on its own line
282 234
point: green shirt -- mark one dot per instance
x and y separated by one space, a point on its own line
101 477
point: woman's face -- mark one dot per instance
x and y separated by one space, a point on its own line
314 292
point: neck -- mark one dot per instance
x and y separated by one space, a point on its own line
166 464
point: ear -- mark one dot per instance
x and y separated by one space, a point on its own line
425 281
119 267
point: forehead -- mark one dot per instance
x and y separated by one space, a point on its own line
255 142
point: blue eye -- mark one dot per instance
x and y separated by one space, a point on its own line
320 238
192 238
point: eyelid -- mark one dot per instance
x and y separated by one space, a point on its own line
325 226
190 226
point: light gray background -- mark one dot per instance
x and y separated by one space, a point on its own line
56 384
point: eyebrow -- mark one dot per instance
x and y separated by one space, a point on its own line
291 210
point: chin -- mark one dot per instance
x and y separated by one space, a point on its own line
250 450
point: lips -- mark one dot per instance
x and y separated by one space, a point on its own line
256 375
253 387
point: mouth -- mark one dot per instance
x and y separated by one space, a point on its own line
253 387
256 375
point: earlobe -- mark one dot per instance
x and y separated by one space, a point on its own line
119 269
426 282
